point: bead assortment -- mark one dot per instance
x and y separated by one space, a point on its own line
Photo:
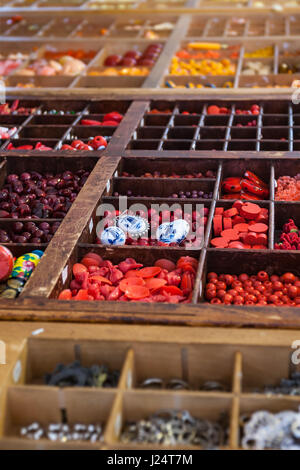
130 281
266 430
89 126
153 225
173 427
211 126
260 289
290 237
76 375
58 432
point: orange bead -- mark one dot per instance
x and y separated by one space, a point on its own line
212 276
215 301
293 292
221 294
210 294
236 284
228 279
262 276
233 292
227 299
277 285
288 277
221 285
238 300
210 285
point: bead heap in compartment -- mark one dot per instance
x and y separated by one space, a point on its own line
214 125
59 125
230 63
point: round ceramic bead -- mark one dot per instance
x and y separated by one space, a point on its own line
113 236
173 232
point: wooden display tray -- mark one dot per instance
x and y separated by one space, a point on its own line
76 234
243 361
80 32
105 6
125 6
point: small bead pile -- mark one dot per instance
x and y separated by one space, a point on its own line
249 124
171 84
194 194
242 227
8 65
197 221
174 428
214 109
95 143
165 281
196 51
34 195
249 187
77 375
29 232
256 68
260 289
288 68
202 67
110 119
65 66
63 432
265 430
290 237
15 109
288 188
264 52
290 386
135 58
158 174
120 71
132 63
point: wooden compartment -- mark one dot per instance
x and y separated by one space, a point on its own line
137 167
92 232
262 169
242 261
139 405
159 188
18 165
43 405
197 366
264 205
116 255
284 211
43 356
